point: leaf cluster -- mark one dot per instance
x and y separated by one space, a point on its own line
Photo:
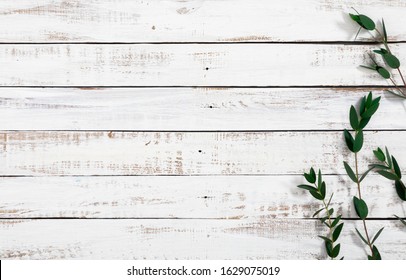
389 168
358 121
318 191
390 61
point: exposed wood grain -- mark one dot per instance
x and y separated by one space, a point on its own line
191 21
218 197
187 65
186 239
178 153
183 109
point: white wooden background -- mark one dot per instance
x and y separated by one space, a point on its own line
176 129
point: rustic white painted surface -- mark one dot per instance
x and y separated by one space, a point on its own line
185 197
192 20
180 153
189 109
75 126
262 238
187 65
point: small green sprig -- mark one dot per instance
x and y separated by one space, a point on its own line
389 168
318 190
358 120
390 60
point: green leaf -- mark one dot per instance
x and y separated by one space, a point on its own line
370 110
322 220
360 207
403 221
354 118
335 222
349 140
331 211
391 60
362 105
369 67
319 180
337 231
388 175
366 22
363 123
377 235
336 251
380 166
385 35
323 190
380 51
365 174
307 187
350 172
359 141
383 72
316 195
400 190
328 203
369 100
379 155
326 239
355 18
396 168
329 248
317 212
360 236
311 177
388 157
375 253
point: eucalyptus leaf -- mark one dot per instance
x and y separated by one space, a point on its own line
307 187
323 190
360 207
349 140
388 175
391 60
328 240
336 221
350 172
400 189
396 168
360 236
379 155
363 122
383 72
385 34
317 212
337 232
359 141
311 177
403 221
370 111
316 195
354 118
377 235
376 255
388 157
335 251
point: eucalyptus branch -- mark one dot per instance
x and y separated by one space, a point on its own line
334 225
388 57
389 168
359 120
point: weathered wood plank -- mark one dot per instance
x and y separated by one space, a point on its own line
183 109
187 65
218 197
186 239
191 21
180 153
